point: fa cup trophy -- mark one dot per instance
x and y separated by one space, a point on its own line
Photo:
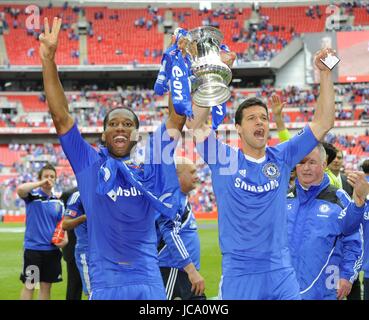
211 75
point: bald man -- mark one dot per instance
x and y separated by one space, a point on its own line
179 243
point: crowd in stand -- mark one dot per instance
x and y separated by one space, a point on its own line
27 167
347 7
203 199
89 107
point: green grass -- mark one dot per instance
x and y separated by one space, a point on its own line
11 251
210 258
11 263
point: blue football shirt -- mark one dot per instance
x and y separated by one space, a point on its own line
251 199
121 233
43 213
74 210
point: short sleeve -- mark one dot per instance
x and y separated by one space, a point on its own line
298 147
74 206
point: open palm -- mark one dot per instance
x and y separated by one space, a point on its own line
49 39
276 104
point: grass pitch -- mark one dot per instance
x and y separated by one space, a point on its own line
11 250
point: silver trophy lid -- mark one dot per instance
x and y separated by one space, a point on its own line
202 33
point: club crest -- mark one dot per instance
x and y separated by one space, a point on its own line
271 171
324 208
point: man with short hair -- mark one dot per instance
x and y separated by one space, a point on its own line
179 243
119 193
250 185
342 255
335 167
321 221
42 258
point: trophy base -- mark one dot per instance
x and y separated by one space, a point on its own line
211 92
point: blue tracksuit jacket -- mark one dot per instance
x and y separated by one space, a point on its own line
321 232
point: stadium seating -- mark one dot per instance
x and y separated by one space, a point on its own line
17 50
122 34
361 16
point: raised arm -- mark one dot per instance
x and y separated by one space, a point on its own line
277 107
361 187
324 115
57 102
24 189
198 124
175 122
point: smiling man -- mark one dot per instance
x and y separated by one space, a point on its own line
119 194
250 185
323 231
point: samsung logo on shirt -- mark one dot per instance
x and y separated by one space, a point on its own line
273 184
131 192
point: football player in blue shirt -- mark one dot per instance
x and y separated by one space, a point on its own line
42 258
120 195
250 185
75 218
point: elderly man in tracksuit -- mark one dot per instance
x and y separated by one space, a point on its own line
319 218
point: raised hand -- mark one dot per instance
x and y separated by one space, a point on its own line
49 39
361 187
322 54
46 183
228 58
277 105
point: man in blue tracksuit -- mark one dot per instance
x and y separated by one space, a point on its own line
179 243
319 216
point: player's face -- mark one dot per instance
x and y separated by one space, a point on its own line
254 128
187 177
119 135
310 170
50 175
337 163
